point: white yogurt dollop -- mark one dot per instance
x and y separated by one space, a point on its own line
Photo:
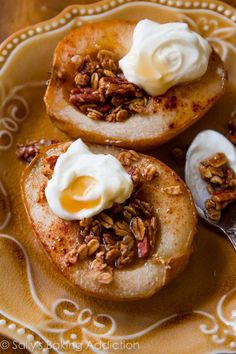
163 55
84 184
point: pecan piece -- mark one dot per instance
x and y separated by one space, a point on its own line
85 95
113 86
118 101
143 248
26 153
104 108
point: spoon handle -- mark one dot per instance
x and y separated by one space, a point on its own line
231 234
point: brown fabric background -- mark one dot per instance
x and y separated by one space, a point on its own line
16 14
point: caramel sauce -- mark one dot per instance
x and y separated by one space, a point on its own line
80 187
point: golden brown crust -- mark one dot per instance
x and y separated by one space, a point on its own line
177 219
192 100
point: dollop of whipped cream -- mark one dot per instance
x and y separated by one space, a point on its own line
163 55
84 184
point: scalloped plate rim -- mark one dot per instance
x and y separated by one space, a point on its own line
87 6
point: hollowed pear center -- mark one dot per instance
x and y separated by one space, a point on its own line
80 187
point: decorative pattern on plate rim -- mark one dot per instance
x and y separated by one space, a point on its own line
218 37
75 11
73 327
10 106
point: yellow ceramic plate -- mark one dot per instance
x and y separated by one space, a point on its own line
39 308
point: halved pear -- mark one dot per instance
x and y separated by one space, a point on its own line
177 226
191 101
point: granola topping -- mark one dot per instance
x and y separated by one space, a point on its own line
116 241
101 91
111 241
123 233
120 235
221 184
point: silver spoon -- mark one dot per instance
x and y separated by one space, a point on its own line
227 223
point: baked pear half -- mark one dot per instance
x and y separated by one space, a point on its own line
162 240
85 62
